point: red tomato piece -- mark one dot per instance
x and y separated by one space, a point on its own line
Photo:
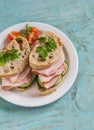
33 36
13 35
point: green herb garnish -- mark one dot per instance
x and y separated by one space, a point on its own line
8 55
48 48
28 28
26 31
49 45
42 39
18 39
42 51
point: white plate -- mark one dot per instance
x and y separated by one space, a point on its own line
30 97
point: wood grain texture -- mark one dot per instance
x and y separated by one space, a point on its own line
75 110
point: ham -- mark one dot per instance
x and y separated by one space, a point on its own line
13 78
44 78
23 74
52 69
50 83
7 82
19 77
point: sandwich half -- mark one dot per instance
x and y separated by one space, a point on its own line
14 66
47 61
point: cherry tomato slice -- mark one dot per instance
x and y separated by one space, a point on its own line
13 35
33 36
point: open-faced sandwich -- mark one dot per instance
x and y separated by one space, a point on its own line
14 66
47 61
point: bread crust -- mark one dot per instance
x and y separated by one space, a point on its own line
18 65
36 62
48 91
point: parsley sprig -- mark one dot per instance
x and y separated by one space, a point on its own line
49 45
42 51
8 55
26 31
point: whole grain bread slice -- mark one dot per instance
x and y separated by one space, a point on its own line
34 59
13 67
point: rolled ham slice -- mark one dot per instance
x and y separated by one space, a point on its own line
23 74
19 77
6 81
13 78
44 78
51 83
52 69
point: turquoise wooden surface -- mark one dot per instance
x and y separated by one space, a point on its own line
75 110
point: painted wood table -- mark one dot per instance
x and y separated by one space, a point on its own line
75 110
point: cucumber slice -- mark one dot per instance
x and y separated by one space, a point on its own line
59 80
26 85
40 86
67 66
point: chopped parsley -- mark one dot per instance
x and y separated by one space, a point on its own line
26 31
8 55
49 45
42 39
18 39
42 51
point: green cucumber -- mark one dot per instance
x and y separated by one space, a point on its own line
59 80
62 75
26 85
40 84
67 66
